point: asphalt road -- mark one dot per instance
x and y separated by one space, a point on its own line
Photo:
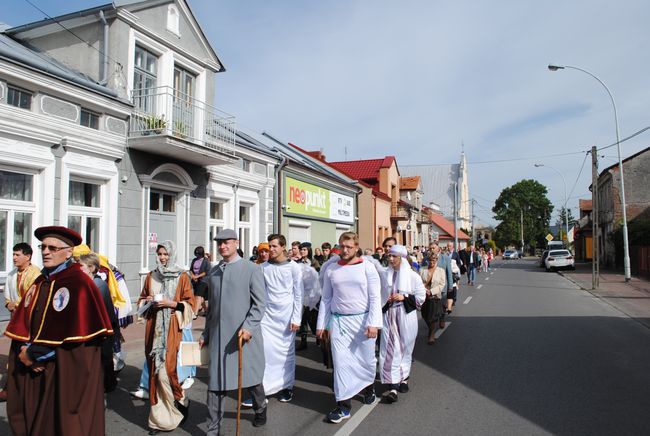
529 353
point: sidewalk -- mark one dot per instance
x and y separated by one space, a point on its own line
631 298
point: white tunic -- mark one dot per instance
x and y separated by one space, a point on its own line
400 329
350 304
284 291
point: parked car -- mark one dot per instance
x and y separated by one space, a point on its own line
510 254
559 259
542 260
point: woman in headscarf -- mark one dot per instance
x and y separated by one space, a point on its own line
433 308
402 293
168 292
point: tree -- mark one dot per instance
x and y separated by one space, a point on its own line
560 219
527 198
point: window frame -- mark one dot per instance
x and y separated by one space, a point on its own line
91 115
14 88
88 212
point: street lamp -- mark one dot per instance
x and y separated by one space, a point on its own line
626 247
566 213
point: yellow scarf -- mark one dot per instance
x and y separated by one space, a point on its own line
111 281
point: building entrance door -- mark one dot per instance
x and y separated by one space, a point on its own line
162 222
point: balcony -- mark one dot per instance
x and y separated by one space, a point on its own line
399 212
169 123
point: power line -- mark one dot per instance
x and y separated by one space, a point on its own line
577 178
625 139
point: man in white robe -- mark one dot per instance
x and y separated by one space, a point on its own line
281 321
350 310
403 292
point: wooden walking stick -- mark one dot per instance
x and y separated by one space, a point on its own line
239 383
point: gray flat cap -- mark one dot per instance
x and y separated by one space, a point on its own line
226 234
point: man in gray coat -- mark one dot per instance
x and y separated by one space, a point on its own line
236 306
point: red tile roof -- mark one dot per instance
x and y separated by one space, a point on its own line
585 205
447 227
376 192
363 169
409 183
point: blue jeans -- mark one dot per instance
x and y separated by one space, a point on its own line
471 274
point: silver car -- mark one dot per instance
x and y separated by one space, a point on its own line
510 254
559 259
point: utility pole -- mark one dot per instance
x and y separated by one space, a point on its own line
595 261
521 211
456 216
473 231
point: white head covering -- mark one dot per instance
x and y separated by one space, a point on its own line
402 280
398 250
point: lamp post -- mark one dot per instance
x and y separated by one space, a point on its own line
626 247
566 213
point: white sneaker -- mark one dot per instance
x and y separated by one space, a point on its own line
188 383
140 393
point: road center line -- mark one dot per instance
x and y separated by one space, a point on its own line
479 286
356 419
467 300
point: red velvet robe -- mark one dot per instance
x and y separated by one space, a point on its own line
64 312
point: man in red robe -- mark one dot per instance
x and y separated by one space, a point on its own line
55 384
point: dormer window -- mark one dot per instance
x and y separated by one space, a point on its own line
173 20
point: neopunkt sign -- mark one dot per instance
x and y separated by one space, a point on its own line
303 198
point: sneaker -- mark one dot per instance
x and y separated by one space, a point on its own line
370 398
337 415
403 387
391 396
247 403
187 383
286 395
140 394
3 396
260 418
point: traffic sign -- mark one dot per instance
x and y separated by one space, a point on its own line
549 237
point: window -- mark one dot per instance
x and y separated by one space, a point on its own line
89 119
85 212
244 213
162 202
144 79
216 210
16 213
15 186
246 165
183 102
173 24
19 97
83 194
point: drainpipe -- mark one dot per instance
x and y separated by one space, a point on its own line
278 191
104 74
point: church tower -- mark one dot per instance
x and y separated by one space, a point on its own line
464 206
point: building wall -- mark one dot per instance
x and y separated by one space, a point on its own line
367 228
384 226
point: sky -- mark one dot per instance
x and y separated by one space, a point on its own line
421 80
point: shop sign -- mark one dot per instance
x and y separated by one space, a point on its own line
302 198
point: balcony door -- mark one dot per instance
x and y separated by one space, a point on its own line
184 83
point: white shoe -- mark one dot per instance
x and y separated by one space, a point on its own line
140 393
188 383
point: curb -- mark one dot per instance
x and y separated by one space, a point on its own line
604 300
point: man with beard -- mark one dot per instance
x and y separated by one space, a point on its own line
350 310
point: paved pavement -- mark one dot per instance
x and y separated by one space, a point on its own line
525 352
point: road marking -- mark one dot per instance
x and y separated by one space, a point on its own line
356 419
467 300
479 286
487 278
491 273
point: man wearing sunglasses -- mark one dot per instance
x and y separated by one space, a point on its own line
55 381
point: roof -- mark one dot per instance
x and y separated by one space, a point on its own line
409 183
615 166
585 205
437 184
17 52
364 169
446 226
114 5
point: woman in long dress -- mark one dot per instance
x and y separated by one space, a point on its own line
433 308
401 295
168 291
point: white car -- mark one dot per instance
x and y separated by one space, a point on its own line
510 254
558 259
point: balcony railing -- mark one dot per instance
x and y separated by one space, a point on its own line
165 111
399 212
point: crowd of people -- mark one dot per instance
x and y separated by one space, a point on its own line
361 305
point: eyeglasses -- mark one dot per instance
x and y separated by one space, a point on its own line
51 248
